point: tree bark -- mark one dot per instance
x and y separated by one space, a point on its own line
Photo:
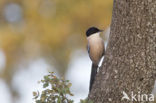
130 61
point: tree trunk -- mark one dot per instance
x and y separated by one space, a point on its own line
130 61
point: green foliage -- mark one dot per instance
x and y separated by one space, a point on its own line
86 101
56 91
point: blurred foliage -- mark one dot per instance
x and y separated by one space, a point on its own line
49 29
56 91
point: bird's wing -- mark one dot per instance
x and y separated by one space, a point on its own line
88 49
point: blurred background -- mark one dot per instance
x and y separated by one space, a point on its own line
38 36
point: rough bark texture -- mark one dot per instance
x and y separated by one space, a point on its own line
130 60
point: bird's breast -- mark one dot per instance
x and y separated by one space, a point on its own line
96 46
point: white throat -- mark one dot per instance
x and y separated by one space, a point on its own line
94 36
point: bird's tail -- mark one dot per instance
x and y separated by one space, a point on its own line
93 74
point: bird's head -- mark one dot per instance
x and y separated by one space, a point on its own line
92 31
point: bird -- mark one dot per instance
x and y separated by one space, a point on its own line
96 50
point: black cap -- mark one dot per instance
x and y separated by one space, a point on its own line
92 30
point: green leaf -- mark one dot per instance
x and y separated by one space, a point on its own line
46 78
38 101
45 85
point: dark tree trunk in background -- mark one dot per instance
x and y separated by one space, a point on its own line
130 60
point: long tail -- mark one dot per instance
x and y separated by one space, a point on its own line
93 74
